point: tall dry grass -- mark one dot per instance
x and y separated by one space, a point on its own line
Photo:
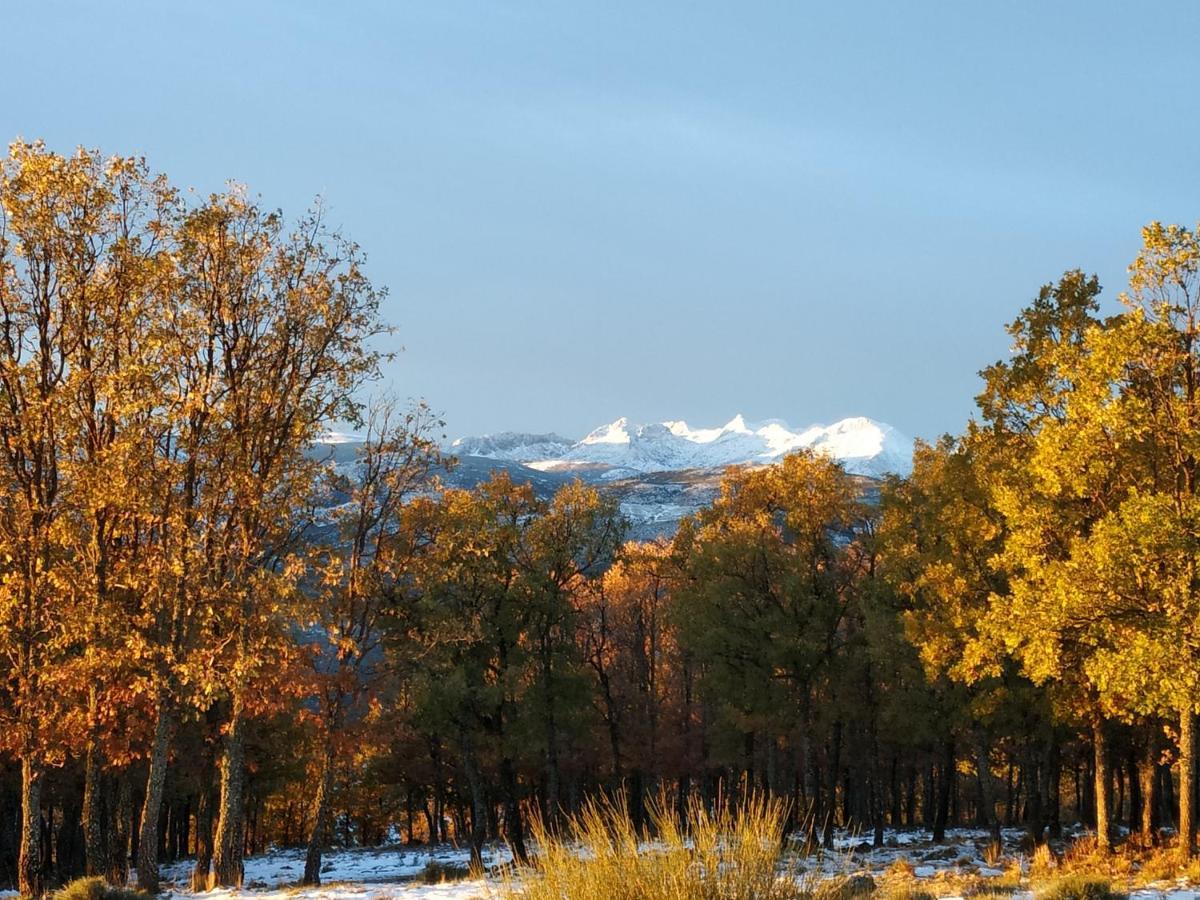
720 854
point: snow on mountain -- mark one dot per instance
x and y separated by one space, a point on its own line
660 472
622 449
513 446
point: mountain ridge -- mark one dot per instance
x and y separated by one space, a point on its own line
621 449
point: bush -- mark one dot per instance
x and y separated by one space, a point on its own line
1043 861
438 872
1160 865
96 888
901 868
731 856
1077 887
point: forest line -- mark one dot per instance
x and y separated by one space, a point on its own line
212 642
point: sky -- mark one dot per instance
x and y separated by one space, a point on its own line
585 210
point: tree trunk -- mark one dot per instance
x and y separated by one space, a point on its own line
147 857
1187 782
1148 777
321 803
987 797
1103 789
1034 792
478 803
876 788
512 811
227 856
943 797
31 881
1053 781
121 824
834 762
637 802
95 860
202 870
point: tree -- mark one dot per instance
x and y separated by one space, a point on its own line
940 535
360 567
572 540
631 648
283 321
467 625
490 616
1124 452
1048 499
83 255
769 577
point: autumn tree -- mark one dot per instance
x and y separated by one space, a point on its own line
280 342
1026 406
940 535
1118 468
572 540
360 563
770 570
83 262
631 649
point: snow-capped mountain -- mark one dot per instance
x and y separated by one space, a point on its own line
660 472
513 446
621 449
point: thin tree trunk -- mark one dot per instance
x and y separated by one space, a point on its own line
830 810
943 797
1034 794
512 811
1187 782
1103 789
321 803
1148 776
227 856
30 874
987 798
202 870
1053 785
95 860
156 778
478 803
121 824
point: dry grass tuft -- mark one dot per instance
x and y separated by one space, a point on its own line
96 888
1076 887
1160 864
1043 861
901 868
720 855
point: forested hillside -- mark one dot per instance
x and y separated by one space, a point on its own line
213 642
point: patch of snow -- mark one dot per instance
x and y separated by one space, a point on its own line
360 872
513 446
457 890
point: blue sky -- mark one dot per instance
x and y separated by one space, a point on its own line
660 210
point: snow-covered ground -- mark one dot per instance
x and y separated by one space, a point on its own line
358 874
452 890
281 868
404 873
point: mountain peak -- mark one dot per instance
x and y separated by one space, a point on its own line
737 424
620 448
613 433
